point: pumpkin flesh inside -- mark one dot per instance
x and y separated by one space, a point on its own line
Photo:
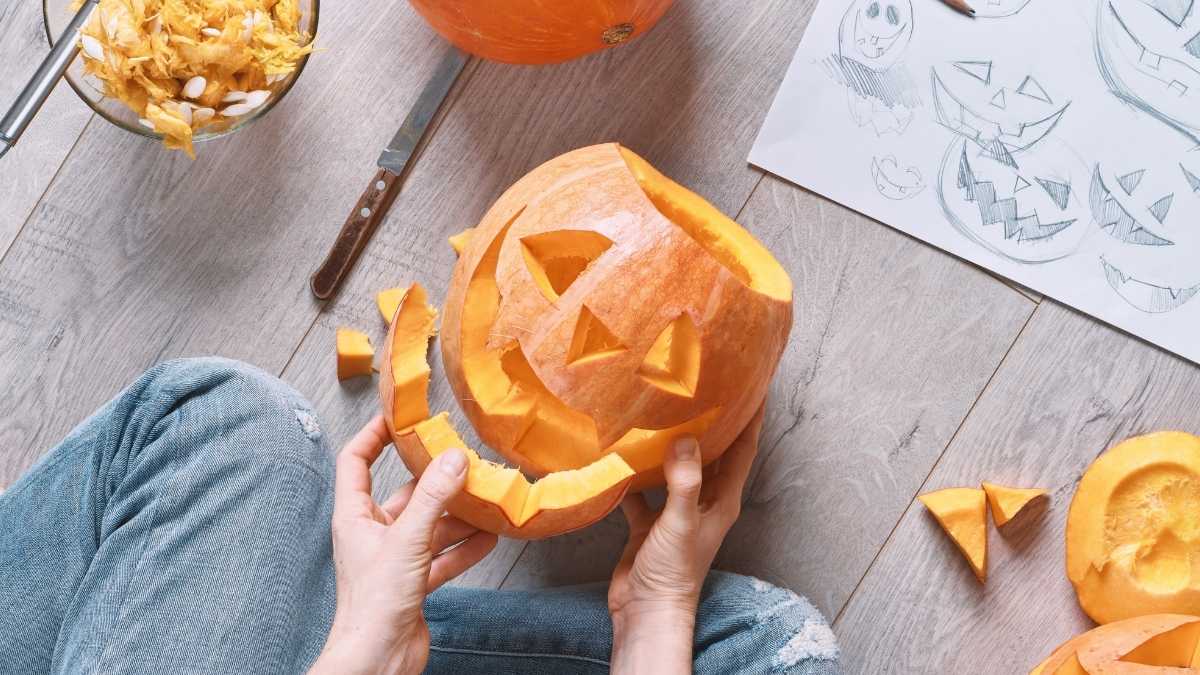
1133 532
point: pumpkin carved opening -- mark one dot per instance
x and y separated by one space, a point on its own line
673 362
556 259
592 340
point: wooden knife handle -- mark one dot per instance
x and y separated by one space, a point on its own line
369 211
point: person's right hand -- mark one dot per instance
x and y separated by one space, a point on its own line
656 586
389 556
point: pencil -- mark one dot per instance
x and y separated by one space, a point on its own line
961 6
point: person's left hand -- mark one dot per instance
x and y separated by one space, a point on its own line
389 556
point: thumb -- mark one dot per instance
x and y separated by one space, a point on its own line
681 514
443 479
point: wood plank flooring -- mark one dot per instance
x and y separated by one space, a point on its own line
908 370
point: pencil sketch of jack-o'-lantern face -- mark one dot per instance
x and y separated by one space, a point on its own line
1153 243
1003 183
1148 52
876 32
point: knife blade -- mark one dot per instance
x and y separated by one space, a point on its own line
394 162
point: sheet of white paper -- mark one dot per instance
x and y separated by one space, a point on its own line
1051 141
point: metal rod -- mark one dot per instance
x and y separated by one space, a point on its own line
42 83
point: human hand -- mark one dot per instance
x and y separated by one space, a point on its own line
390 556
656 585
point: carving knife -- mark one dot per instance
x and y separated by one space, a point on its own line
394 162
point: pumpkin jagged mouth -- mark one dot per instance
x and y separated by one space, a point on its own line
996 141
1175 75
1145 296
992 211
1114 219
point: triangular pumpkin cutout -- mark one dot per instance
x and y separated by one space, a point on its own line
673 362
1007 502
592 339
962 513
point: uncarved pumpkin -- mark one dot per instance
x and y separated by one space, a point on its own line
1133 531
600 308
1146 645
539 31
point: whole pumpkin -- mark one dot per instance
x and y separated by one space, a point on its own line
536 31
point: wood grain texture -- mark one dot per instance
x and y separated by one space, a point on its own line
891 344
1070 389
137 254
689 97
28 168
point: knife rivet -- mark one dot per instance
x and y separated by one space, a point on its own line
365 212
380 185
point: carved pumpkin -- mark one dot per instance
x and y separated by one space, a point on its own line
601 308
1149 54
1019 194
1133 531
533 31
1152 244
1145 645
598 312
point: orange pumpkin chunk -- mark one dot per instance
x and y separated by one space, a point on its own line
354 353
962 513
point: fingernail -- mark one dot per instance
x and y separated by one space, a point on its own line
454 462
685 448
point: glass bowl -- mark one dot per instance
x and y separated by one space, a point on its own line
56 14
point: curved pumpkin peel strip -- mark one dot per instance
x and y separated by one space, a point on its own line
1007 502
1144 645
962 513
496 498
1133 530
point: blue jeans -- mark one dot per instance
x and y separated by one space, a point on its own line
184 528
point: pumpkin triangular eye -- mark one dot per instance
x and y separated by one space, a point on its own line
1033 89
1192 179
1175 11
592 339
1059 192
1130 181
1161 208
556 259
673 362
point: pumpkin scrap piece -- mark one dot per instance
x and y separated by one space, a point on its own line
1007 502
460 241
354 353
408 370
1133 531
388 301
962 513
186 65
1156 643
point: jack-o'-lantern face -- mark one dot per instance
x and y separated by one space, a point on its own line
601 308
1003 183
876 32
1153 243
1149 53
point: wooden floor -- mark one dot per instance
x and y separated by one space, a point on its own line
908 370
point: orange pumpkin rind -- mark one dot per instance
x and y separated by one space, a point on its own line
1143 645
496 498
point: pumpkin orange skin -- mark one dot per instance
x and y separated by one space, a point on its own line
537 32
653 271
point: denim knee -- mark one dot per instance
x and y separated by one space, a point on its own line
226 394
758 627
